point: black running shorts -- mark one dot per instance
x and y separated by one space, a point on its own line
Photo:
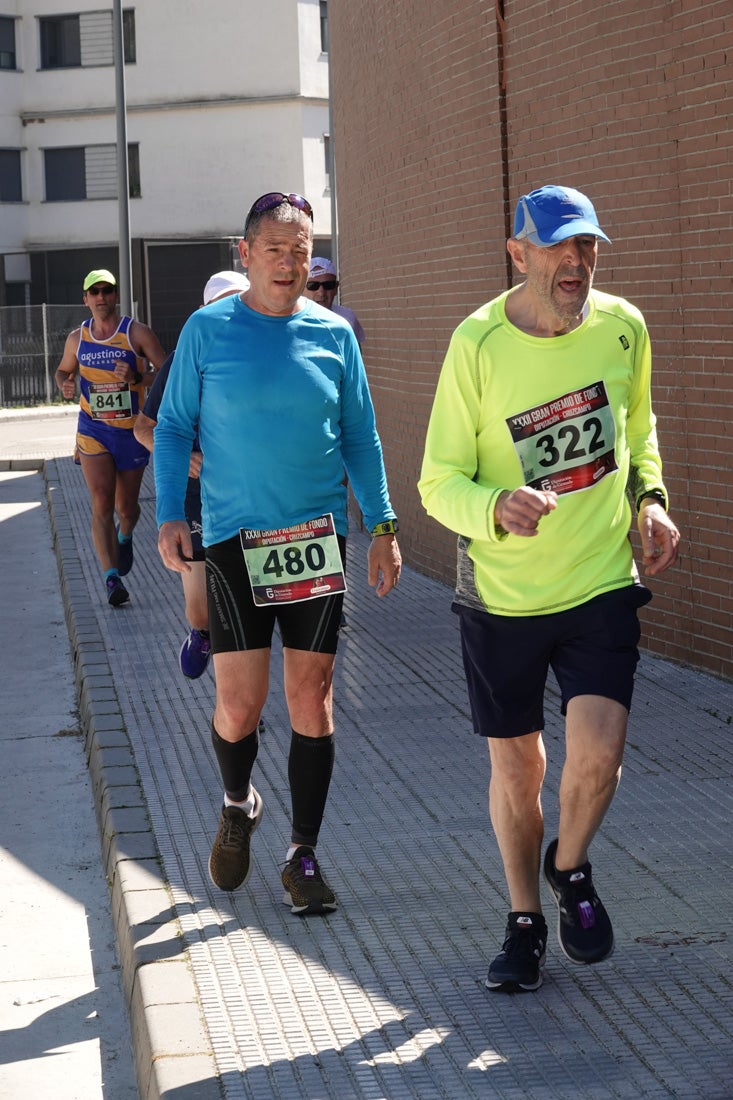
236 623
592 649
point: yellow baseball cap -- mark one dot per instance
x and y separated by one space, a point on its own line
101 276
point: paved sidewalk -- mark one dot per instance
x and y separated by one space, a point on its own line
233 998
64 1031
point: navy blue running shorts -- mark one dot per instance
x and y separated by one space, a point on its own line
236 623
592 649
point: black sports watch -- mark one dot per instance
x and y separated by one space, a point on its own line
137 378
655 494
387 527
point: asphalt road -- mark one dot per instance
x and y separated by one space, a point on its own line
34 434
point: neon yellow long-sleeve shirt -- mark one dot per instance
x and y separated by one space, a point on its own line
570 413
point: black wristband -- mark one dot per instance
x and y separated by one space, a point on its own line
137 378
655 494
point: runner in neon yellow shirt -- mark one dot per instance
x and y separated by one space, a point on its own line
542 418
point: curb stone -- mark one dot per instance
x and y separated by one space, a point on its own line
158 985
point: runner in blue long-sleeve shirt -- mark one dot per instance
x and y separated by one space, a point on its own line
275 387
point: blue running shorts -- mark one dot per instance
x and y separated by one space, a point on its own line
94 437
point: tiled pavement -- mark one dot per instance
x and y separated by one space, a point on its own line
232 997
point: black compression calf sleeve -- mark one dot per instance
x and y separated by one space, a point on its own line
310 765
236 760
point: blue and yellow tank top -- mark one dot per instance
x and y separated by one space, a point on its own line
103 398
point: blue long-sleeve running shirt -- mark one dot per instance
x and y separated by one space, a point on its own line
282 407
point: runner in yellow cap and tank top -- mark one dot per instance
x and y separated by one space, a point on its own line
109 354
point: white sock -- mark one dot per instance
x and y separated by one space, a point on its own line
294 848
248 805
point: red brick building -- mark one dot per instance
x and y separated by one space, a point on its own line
443 115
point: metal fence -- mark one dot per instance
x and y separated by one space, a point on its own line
31 345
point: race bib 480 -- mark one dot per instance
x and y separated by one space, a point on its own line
290 564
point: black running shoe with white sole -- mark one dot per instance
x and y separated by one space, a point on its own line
305 889
583 926
518 966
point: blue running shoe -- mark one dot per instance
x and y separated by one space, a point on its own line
195 654
125 555
116 592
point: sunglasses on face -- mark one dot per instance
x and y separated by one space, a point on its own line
313 285
95 290
272 200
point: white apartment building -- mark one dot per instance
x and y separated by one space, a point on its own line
225 100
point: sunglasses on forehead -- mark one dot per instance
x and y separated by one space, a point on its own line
272 200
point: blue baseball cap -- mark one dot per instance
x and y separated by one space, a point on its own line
552 214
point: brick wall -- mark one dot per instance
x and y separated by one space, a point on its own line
632 104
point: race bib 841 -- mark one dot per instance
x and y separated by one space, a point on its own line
110 401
